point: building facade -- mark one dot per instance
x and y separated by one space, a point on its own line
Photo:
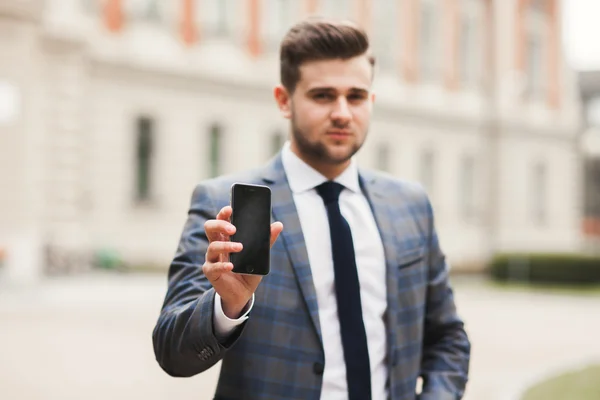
114 110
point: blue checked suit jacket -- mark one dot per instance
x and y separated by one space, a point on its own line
277 353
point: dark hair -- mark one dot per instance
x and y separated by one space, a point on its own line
319 39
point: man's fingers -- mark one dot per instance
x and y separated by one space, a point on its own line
220 228
217 229
213 271
225 213
276 228
217 249
225 247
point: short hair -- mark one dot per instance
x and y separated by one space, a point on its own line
317 39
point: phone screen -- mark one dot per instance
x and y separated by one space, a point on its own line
251 217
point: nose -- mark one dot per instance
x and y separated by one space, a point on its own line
341 111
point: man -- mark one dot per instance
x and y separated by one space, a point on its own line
357 304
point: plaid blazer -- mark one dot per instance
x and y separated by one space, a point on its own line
277 353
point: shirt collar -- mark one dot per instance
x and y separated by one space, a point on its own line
302 177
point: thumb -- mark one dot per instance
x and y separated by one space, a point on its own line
276 229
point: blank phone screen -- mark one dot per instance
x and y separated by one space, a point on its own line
252 218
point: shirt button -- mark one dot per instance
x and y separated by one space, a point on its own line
318 368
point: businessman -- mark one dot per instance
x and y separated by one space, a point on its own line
357 304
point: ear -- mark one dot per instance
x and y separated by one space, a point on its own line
284 100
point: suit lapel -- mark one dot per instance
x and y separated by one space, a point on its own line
284 210
384 219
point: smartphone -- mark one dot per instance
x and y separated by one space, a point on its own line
251 217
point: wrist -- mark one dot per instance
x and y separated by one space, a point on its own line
234 309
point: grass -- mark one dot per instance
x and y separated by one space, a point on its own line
576 385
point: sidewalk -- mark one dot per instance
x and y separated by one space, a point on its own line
90 338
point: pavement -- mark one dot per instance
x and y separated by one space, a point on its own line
89 337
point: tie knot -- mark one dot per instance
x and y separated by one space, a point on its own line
330 191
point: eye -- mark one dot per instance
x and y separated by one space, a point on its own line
323 96
357 97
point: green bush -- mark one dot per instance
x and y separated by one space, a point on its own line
546 268
107 259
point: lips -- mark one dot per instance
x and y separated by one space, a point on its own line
339 134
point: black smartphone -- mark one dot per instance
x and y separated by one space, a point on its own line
251 217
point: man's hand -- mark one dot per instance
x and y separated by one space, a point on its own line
235 289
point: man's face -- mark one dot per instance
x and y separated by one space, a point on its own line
330 110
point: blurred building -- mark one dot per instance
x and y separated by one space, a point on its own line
589 84
111 111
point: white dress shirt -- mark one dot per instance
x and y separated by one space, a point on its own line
370 262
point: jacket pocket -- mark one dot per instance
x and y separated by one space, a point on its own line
411 257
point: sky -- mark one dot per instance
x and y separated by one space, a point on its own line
581 33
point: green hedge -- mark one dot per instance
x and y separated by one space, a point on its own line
546 268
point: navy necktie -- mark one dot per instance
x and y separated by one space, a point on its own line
347 290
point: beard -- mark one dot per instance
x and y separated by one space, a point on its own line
318 151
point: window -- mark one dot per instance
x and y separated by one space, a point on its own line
539 194
467 188
337 9
426 170
385 28
215 150
142 9
281 15
593 112
535 64
153 10
428 42
469 50
592 187
90 6
217 17
144 154
535 31
539 5
383 157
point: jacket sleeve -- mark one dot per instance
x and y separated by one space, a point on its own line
446 347
184 339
